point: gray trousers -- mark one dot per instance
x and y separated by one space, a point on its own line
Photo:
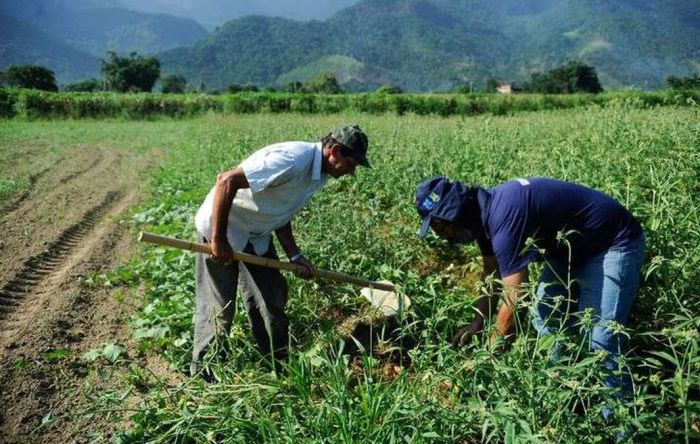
265 294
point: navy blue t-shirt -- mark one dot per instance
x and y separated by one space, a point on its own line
539 208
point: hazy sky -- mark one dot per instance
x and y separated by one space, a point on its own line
215 12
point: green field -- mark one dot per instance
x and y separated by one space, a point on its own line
647 158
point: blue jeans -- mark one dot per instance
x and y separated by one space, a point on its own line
607 285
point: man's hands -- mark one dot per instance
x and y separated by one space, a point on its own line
495 341
221 251
464 335
308 271
286 238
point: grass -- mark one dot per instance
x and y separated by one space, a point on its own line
30 149
366 225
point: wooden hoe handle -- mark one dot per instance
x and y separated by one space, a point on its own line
264 261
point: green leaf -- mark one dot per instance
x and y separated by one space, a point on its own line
91 355
510 437
665 356
112 352
20 364
56 355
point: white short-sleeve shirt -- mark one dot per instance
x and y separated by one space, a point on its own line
282 179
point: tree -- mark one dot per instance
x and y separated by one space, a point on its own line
689 82
132 73
90 85
32 77
559 81
294 87
464 87
388 89
173 84
566 79
585 78
235 87
323 84
491 85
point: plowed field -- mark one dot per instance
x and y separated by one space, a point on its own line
62 226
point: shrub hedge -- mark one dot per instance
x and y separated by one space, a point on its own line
33 104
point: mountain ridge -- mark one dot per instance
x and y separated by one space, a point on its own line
418 45
86 27
22 43
437 44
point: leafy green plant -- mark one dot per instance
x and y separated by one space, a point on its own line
32 104
644 156
57 354
110 352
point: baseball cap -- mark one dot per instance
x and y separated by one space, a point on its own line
355 139
437 197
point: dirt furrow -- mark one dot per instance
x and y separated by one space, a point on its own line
63 229
12 206
55 201
45 308
75 174
29 275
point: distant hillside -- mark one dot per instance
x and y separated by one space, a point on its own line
96 26
101 29
214 13
437 44
638 42
22 43
253 48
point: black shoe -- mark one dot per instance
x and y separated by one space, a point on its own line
208 376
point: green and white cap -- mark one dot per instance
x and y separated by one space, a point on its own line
352 137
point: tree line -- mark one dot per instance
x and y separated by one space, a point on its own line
136 73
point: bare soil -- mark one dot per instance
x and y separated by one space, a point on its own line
63 228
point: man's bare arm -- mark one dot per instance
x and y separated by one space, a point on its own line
512 290
485 305
227 185
285 235
488 303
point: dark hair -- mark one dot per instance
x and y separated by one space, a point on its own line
470 216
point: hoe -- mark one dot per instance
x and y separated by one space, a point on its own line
381 294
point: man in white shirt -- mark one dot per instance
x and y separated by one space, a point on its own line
245 206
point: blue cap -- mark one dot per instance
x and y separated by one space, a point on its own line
437 197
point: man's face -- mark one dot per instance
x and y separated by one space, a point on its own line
451 232
339 165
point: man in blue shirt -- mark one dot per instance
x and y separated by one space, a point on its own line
592 247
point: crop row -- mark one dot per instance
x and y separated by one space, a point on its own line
366 225
34 104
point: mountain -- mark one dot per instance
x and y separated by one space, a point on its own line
437 44
98 30
96 26
213 13
637 42
22 43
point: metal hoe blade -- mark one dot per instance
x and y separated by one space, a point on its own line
388 302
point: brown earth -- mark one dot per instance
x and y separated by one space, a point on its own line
64 228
